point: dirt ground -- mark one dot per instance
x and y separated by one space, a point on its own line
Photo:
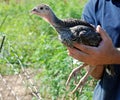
13 87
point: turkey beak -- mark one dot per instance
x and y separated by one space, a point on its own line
34 10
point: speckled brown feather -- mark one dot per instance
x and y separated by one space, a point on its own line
74 22
76 30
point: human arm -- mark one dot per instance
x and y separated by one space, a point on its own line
105 53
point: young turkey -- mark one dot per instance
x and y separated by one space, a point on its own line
71 31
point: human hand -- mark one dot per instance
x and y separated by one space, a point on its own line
103 54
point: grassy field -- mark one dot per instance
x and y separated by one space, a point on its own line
38 47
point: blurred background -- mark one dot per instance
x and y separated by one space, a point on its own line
32 57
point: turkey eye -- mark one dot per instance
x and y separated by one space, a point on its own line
46 8
41 8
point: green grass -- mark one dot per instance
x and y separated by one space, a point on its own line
37 45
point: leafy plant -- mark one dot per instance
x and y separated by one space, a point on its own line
38 47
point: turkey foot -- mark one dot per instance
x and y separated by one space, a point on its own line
83 79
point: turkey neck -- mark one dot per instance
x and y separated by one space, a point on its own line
52 19
67 23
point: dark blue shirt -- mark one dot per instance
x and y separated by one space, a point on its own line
107 14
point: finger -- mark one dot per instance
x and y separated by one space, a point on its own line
81 56
102 32
85 48
77 52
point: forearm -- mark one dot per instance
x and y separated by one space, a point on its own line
98 71
116 57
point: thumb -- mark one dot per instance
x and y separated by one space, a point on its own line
102 32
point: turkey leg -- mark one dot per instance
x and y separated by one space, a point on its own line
83 79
